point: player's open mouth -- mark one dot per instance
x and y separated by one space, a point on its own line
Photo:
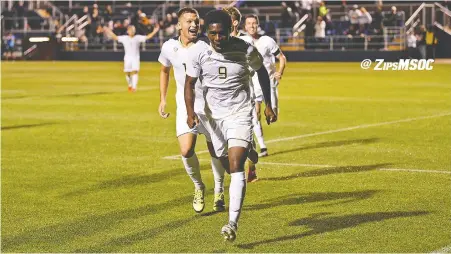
192 31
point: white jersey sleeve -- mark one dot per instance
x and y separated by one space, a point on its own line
122 38
272 46
254 58
164 55
141 38
194 64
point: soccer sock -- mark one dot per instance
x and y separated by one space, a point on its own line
218 173
134 81
129 80
192 168
259 134
237 191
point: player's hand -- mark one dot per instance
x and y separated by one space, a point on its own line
271 117
192 120
161 109
278 76
157 27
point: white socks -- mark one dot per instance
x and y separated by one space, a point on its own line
192 168
134 79
129 80
237 191
259 134
218 173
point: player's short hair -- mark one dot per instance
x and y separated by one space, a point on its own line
187 10
252 16
234 13
218 17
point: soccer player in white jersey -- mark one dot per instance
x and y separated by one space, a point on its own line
174 53
269 49
131 44
235 14
223 66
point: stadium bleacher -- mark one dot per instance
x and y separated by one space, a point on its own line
291 24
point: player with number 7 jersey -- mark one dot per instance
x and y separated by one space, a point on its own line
174 54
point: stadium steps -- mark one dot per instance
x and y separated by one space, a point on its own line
396 45
296 44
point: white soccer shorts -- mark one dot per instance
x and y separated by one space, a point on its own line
204 126
131 64
233 130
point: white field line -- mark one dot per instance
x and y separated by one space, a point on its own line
335 131
177 157
446 249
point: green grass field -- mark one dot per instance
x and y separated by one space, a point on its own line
360 162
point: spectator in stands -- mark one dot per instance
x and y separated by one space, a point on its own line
421 41
169 28
323 11
20 13
391 19
96 20
377 28
287 16
10 41
365 20
306 7
175 19
320 30
108 13
84 12
411 45
309 32
431 42
354 15
119 28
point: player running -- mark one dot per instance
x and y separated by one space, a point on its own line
269 49
131 44
174 54
223 67
235 14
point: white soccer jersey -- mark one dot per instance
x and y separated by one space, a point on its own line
268 48
225 76
174 54
131 45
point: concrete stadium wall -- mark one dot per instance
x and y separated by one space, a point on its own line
295 56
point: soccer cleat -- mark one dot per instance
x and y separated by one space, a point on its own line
198 201
229 232
263 152
219 204
130 89
252 174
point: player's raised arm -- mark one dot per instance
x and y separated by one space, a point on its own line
256 63
110 33
152 34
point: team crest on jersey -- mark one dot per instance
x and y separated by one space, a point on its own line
209 52
175 49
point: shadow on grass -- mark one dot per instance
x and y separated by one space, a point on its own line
132 180
25 126
302 198
329 171
328 144
320 224
60 234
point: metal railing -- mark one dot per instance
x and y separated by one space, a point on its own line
392 38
